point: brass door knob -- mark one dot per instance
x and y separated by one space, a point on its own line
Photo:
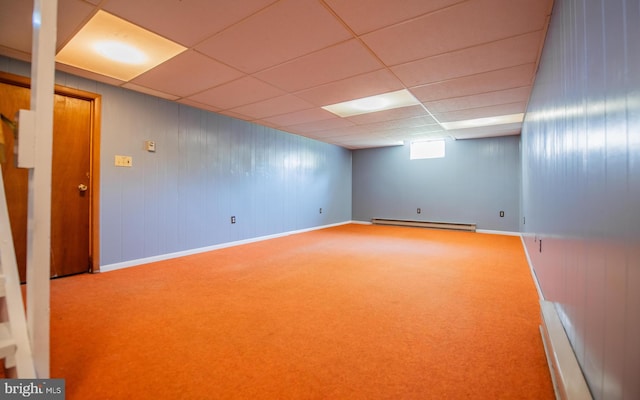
82 187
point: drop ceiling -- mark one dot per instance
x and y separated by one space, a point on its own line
277 63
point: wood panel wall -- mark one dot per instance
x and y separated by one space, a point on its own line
581 186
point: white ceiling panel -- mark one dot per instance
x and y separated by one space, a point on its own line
89 75
71 15
323 125
390 115
402 124
507 96
484 21
276 62
330 64
486 131
202 71
364 142
15 26
512 77
243 91
481 112
284 31
152 92
413 132
195 104
367 15
186 22
470 61
299 117
491 133
274 106
342 131
369 84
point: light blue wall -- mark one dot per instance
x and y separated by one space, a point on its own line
581 186
474 182
207 168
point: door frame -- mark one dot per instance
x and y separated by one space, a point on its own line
94 158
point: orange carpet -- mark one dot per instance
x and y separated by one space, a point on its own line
351 312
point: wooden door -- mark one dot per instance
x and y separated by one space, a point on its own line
71 182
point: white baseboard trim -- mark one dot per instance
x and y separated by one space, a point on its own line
168 256
488 231
531 270
494 232
568 381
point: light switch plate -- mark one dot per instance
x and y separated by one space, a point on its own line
123 161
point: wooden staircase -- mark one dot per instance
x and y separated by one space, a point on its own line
15 348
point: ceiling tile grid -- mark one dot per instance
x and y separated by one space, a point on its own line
276 62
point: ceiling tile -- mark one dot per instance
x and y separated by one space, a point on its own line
15 25
413 131
422 136
474 60
487 131
462 58
72 15
342 131
515 95
389 115
198 105
317 126
323 135
355 137
237 93
484 21
203 73
369 84
187 22
521 75
88 74
401 124
300 117
481 112
469 135
236 115
333 63
152 92
350 142
286 30
275 106
367 15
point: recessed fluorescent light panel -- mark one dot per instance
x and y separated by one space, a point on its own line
380 102
111 46
489 121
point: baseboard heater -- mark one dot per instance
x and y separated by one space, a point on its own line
568 381
425 224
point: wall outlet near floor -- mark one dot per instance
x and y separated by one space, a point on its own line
320 210
233 219
123 161
419 210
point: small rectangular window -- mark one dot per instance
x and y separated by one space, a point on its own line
427 149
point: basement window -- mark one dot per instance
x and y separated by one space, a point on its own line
427 149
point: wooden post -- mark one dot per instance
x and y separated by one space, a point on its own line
39 205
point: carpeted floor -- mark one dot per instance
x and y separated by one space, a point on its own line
351 312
